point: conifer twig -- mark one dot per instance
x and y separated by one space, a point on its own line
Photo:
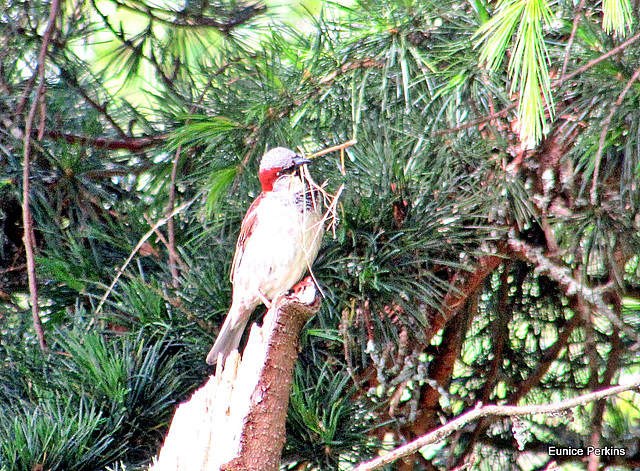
143 239
492 411
28 236
342 146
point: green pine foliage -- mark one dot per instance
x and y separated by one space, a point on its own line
93 400
473 131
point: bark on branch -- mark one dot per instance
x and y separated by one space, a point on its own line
464 284
237 420
133 144
492 411
28 236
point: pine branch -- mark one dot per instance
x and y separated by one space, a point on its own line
102 109
464 284
481 411
132 143
29 237
167 81
171 231
599 406
548 357
138 246
171 226
603 136
179 19
576 19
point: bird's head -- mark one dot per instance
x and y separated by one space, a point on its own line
276 163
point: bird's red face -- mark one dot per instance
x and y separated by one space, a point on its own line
277 162
267 177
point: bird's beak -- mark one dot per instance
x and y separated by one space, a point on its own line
300 161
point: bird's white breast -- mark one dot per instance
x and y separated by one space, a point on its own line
283 244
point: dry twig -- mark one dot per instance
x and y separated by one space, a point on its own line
495 411
161 222
28 237
342 146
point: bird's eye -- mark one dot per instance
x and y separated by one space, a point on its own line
287 171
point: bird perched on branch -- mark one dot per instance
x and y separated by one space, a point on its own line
279 240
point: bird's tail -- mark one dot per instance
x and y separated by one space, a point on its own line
230 335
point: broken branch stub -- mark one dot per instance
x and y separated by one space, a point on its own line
237 420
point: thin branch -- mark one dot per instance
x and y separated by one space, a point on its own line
171 228
492 411
102 109
328 150
178 20
29 237
25 97
603 136
170 248
252 142
500 330
140 243
547 358
576 20
463 285
599 406
611 369
597 60
441 368
171 225
476 122
133 144
138 51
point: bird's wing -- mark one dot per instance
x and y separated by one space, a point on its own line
248 223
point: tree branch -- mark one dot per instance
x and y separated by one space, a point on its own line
133 144
102 109
236 421
549 355
138 52
139 245
181 20
574 28
463 285
495 411
29 237
500 329
171 228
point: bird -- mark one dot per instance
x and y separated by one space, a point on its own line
280 237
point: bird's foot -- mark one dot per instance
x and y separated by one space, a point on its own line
307 281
